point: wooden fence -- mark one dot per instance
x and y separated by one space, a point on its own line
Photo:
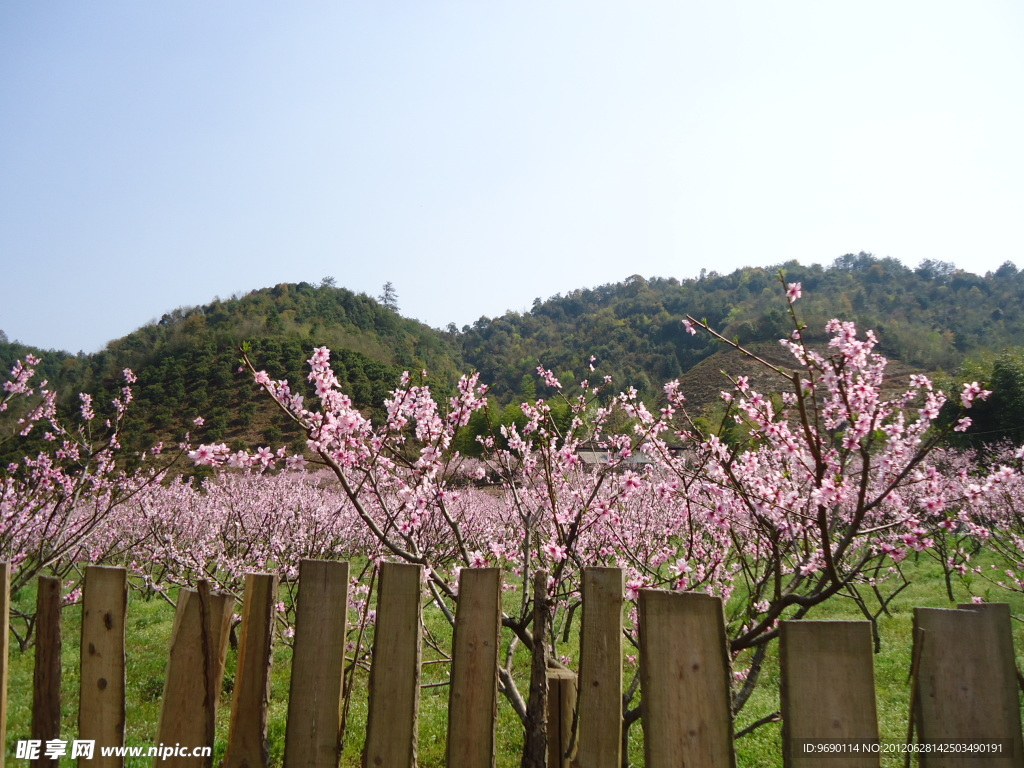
965 682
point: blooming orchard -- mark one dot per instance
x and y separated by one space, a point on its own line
58 503
830 485
816 488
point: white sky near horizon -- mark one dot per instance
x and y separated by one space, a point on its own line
479 155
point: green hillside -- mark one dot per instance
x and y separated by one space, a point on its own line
187 363
932 318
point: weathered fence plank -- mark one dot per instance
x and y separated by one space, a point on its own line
195 669
827 690
5 649
1001 626
685 681
101 710
473 696
391 727
318 666
247 734
966 684
600 680
46 677
562 695
5 613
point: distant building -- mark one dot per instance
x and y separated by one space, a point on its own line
596 456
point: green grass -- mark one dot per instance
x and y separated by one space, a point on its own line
149 627
892 665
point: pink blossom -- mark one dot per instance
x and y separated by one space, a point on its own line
477 559
549 377
972 391
633 587
555 551
295 462
87 412
203 455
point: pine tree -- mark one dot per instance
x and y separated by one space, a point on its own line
389 296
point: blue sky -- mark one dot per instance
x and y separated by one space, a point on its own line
479 155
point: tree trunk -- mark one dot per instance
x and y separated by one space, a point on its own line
535 749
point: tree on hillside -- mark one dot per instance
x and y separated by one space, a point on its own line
389 296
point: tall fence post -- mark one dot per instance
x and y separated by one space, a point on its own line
247 734
5 613
685 681
966 683
827 690
391 727
473 695
562 695
600 680
101 708
1000 625
318 666
46 678
195 669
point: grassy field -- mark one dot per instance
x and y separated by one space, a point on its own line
149 626
892 664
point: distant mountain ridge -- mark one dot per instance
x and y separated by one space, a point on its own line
931 317
187 362
928 318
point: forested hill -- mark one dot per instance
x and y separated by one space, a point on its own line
187 362
930 318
